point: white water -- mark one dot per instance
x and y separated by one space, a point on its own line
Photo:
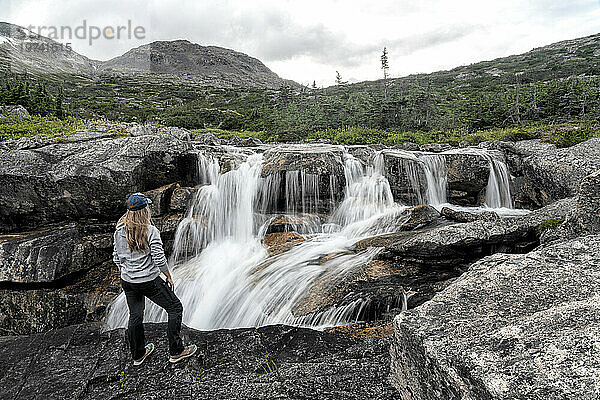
223 274
231 282
436 174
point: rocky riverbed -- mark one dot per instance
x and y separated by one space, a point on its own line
499 305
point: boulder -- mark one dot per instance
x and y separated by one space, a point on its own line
546 173
244 142
460 244
363 153
313 176
467 172
584 218
421 258
54 253
458 215
18 111
521 326
26 309
276 362
209 139
407 146
71 181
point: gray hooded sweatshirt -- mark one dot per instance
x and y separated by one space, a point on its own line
139 267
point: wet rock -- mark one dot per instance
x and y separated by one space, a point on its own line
313 176
54 253
281 242
460 244
412 265
363 153
512 327
244 142
378 284
546 173
70 181
467 173
182 198
409 219
270 362
161 199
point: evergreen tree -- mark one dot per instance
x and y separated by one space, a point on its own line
385 67
58 105
338 79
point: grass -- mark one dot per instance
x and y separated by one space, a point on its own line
550 224
14 127
563 134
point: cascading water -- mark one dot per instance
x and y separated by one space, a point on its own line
436 174
230 281
222 271
497 194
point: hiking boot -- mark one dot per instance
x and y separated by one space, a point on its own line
188 351
149 350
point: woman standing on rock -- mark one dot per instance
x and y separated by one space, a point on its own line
140 256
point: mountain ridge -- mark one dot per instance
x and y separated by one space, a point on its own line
24 51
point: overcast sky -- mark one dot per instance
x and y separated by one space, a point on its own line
309 40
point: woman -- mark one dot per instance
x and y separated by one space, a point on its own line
139 254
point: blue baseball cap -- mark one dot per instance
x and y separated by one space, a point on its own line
137 201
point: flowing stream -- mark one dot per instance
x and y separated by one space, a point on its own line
223 273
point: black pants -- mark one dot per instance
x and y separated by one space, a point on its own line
159 292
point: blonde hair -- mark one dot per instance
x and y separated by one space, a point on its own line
137 224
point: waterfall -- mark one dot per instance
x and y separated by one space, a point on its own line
497 194
223 274
436 174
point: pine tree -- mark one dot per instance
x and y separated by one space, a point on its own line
338 79
385 67
58 105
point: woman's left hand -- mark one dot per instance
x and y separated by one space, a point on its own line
170 282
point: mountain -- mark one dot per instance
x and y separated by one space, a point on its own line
181 57
22 50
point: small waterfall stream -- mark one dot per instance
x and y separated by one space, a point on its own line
437 178
222 271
